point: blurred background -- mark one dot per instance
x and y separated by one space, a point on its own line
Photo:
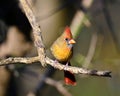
95 26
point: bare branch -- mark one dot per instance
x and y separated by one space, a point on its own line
36 31
59 66
18 60
77 70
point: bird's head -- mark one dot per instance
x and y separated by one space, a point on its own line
68 36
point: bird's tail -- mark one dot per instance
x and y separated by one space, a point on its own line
69 78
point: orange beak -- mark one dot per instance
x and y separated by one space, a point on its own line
72 41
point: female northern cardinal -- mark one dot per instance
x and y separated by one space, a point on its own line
62 51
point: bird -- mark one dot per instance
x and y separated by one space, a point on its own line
62 50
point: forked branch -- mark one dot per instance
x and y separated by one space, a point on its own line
41 51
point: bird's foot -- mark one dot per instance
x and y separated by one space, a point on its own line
66 65
55 61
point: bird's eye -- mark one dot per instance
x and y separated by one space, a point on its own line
66 39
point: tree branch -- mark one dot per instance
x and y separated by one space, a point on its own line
56 65
36 31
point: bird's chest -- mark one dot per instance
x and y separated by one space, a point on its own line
61 52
